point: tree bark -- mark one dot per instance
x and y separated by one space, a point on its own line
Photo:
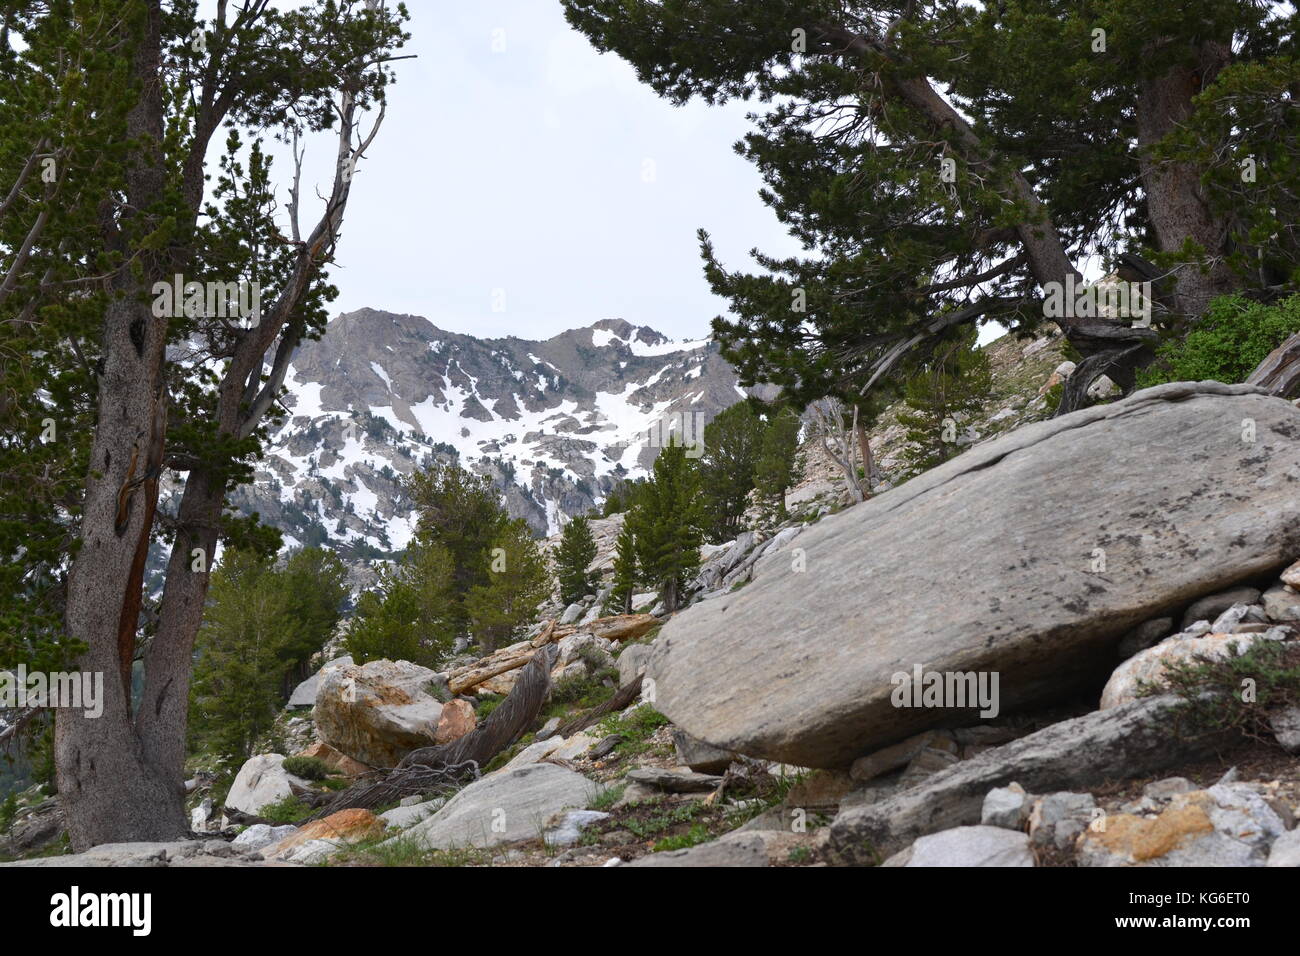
111 790
1176 204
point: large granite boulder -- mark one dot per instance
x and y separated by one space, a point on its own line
380 711
504 807
261 781
1026 559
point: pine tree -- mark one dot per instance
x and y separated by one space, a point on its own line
731 448
518 580
315 582
774 471
625 569
906 150
574 555
666 524
236 690
262 625
939 397
461 513
407 615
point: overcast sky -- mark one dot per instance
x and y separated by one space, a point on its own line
525 171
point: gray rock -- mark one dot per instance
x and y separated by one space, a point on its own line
733 849
1132 740
1167 788
548 728
403 818
1286 728
799 667
261 835
1006 807
571 614
1238 615
505 807
304 695
674 781
967 846
1058 818
126 855
261 781
567 830
1212 605
700 756
1226 825
631 662
1285 850
1282 604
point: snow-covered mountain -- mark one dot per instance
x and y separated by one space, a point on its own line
555 423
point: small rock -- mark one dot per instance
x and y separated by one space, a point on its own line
567 829
1285 850
967 846
700 756
1007 807
1211 606
261 835
674 781
1286 728
1281 603
1058 818
1291 576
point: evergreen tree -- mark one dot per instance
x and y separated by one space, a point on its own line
518 580
625 569
261 627
666 524
939 397
315 582
461 513
236 690
408 614
906 150
731 450
130 154
774 471
572 558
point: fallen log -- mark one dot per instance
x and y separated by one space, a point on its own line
445 767
621 699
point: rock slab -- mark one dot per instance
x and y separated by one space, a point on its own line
1051 542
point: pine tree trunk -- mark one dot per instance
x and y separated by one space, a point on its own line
1175 201
110 787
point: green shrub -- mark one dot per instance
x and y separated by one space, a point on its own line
1238 692
288 810
309 768
1226 345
